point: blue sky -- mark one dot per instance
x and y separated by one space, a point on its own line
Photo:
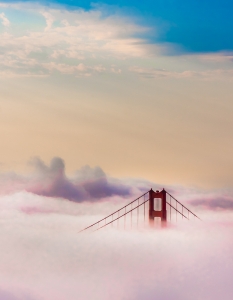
196 26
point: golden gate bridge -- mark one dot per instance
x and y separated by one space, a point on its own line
149 208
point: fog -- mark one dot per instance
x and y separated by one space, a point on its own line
42 255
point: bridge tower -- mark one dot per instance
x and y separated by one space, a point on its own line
157 213
157 209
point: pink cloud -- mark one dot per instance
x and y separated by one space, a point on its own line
31 210
182 263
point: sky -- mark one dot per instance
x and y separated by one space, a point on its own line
99 102
120 86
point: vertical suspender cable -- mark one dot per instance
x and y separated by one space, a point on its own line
170 209
144 210
131 216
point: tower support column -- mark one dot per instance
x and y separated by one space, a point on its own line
157 213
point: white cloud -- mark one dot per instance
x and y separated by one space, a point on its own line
84 43
14 74
65 22
153 73
43 256
5 21
77 35
49 20
216 57
78 70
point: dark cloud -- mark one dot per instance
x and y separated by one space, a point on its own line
93 184
51 181
96 183
224 203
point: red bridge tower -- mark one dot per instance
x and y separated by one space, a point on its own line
159 196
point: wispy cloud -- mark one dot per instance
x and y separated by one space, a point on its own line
49 20
159 73
63 41
216 57
153 73
67 38
5 21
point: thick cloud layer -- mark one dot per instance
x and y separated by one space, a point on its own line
42 257
5 295
51 181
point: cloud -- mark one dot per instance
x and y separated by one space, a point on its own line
214 203
93 184
5 21
45 257
204 199
79 70
70 36
5 295
12 74
87 42
216 57
50 181
49 20
159 73
153 73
